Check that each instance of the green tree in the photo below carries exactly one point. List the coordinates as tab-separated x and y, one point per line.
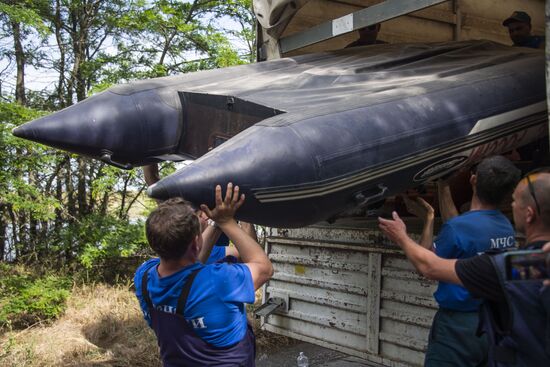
27	173
19	20
59	207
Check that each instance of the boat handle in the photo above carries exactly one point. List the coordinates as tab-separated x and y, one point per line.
106	157
364	200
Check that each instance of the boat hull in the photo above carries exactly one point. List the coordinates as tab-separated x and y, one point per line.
309	137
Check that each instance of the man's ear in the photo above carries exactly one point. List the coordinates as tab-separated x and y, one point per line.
195	245
473	180
529	214
198	242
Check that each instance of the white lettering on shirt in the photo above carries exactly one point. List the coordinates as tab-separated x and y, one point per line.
197	323
166	308
502	242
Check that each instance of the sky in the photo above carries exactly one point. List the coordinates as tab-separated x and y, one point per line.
41	79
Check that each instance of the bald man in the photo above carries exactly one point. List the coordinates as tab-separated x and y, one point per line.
514	315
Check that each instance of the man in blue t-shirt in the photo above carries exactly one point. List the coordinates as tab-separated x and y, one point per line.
198	311
453	340
515	314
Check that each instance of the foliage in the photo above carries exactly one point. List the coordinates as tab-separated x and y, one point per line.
25	183
25	12
26	299
17	156
62	209
107	237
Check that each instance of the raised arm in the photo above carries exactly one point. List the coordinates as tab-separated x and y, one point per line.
251	253
425	261
447	206
420	208
209	237
250	230
151	174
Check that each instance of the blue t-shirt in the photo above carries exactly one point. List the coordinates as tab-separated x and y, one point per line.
223	240
216	303
465	236
533	42
217	253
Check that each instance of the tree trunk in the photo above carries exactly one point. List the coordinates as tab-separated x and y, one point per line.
20	62
34	242
62	95
13	229
3	231
71	202
58	222
81	189
79	38
124	193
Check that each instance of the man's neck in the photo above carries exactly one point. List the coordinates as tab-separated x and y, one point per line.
477	204
535	234
169	267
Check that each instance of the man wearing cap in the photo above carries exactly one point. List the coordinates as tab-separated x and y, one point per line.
519	28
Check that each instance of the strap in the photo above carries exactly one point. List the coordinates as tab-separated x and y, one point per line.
144	292
182	301
545	298
504	355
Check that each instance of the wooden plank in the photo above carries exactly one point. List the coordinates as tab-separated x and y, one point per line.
373	302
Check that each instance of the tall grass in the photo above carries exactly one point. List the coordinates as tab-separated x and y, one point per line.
102	326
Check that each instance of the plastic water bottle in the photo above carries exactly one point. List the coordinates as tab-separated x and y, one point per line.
302	360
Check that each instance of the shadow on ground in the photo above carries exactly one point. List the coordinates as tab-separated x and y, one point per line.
117	343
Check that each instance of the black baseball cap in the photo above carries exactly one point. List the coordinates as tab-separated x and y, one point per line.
517	16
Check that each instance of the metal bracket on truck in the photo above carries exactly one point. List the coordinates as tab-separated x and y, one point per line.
272	305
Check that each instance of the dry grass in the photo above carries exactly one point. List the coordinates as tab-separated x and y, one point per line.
102	326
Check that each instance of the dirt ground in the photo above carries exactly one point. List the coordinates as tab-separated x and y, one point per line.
279	351
317	356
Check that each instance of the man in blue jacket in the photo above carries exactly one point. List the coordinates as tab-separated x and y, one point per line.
198	311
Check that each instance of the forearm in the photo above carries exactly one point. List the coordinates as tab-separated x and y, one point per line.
447	206
428	263
151	173
426	239
209	238
250	230
248	248
250	251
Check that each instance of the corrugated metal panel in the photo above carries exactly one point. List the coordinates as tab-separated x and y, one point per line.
351	290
